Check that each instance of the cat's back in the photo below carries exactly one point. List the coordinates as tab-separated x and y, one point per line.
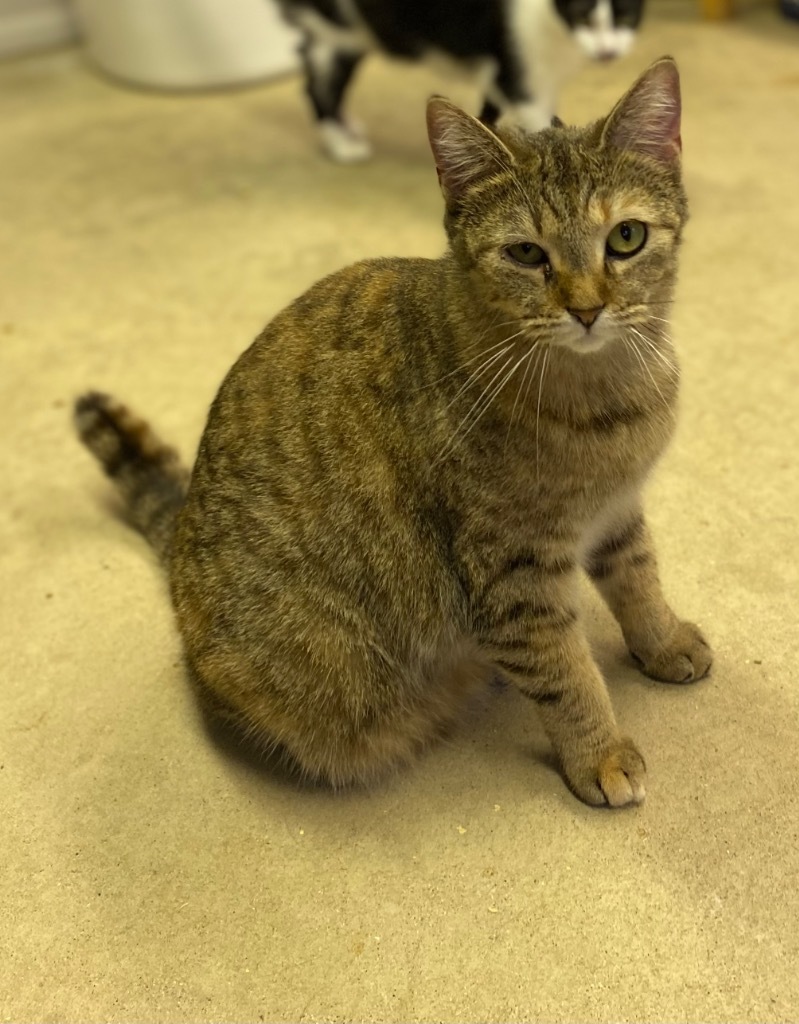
348	338
314	422
412	28
309	479
356	309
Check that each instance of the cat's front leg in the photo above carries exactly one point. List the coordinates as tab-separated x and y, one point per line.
530	627
624	568
328	72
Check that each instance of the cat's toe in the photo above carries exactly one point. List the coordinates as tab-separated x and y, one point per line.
686	658
621	775
616	779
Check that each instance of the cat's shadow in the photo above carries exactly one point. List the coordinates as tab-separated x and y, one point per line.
240	748
489	728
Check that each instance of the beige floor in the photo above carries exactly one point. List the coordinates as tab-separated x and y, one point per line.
148	874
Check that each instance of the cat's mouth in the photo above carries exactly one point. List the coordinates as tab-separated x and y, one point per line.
570	333
585	341
584	333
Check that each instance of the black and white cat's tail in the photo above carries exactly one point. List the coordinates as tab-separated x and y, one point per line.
148	474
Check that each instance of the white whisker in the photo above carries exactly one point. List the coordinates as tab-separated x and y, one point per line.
494	394
634	346
529	358
486	398
538	412
486	390
481	370
465	363
652	347
476	374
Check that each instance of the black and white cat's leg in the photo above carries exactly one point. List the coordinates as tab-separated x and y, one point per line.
512	95
623	565
328	72
490	113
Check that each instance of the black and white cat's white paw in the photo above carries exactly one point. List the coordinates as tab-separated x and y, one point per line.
532	116
343	142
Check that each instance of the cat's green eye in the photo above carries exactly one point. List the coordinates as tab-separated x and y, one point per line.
626	239
528	254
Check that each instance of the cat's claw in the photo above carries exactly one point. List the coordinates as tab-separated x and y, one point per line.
685	659
616	780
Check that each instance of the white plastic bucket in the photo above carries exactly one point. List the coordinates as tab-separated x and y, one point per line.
187	44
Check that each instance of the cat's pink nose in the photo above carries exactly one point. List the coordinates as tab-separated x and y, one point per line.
587	317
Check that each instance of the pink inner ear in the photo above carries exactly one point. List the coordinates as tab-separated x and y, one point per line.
456	155
647	120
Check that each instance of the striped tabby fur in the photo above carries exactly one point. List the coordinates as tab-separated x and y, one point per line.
401	479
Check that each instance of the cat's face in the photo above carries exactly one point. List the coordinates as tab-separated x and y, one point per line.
572	234
580	246
603	29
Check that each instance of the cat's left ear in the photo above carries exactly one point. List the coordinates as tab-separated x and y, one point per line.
465	150
647	119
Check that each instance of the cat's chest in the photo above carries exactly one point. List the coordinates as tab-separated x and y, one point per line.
570	471
604	450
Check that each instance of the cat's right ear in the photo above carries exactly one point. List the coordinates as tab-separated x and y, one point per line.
465	150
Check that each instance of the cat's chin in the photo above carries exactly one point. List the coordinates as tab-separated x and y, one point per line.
586	344
588	347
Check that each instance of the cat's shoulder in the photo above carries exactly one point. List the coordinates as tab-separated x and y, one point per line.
367	298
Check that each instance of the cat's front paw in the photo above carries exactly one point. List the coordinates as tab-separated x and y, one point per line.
686	657
615	778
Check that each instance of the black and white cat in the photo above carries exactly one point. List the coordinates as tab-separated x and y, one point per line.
518	51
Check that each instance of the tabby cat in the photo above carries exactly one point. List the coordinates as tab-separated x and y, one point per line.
518	52
401	478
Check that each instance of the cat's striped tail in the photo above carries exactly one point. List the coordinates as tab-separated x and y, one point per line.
147	473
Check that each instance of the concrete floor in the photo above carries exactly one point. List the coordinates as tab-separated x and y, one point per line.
150	874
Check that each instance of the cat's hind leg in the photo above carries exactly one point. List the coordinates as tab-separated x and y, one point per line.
343	748
337	715
328	72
